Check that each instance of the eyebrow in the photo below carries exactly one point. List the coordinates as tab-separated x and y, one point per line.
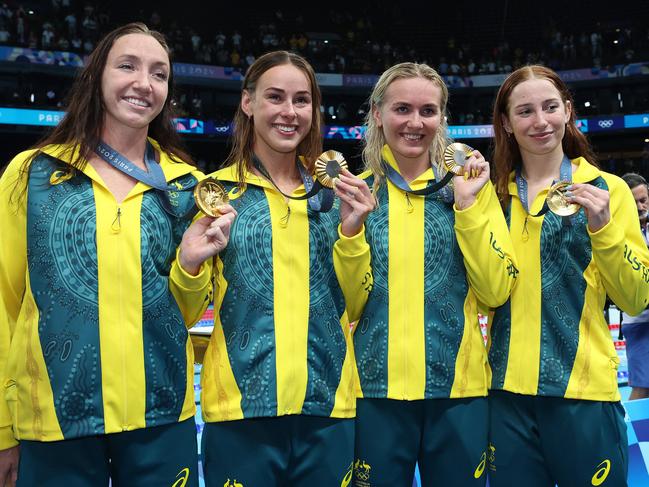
274	88
549	100
134	57
432	105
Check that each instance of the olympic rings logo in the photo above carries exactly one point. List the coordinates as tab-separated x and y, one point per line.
605	124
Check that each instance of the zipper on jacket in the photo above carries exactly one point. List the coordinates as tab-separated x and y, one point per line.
116	226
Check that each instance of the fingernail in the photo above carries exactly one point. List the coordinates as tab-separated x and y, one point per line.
569	187
568	194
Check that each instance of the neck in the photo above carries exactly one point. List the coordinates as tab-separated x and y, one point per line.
538	168
131	143
411	169
280	166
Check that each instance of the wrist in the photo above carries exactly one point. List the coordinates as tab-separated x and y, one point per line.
350	230
189	267
464	202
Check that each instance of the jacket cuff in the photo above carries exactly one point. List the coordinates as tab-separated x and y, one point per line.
7	439
354	245
186	281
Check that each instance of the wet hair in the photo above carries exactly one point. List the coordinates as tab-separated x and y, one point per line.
375	139
81	127
507	154
241	153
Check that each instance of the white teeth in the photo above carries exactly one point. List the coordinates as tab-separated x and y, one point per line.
286	128
413	136
137	101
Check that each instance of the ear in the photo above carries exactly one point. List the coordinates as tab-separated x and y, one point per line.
506	125
568	110
246	102
376	113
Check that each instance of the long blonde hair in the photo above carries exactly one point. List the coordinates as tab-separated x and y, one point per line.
375	139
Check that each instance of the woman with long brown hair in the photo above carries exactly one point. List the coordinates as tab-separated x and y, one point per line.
278	394
96	361
555	413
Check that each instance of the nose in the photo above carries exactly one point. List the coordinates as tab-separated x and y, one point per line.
142	81
539	119
288	109
415	120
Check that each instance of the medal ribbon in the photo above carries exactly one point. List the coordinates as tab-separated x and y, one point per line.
153	176
565	174
319	198
395	178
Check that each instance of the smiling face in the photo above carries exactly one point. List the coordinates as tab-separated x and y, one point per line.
135	82
281	109
537	117
409	116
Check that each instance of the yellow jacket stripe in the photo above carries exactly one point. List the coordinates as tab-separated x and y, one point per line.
92	326
419	335
282	335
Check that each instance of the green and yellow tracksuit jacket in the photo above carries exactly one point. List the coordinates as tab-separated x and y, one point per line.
281	342
419	336
551	338
93	336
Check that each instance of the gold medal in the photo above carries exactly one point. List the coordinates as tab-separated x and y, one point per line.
328	167
455	156
210	196
557	201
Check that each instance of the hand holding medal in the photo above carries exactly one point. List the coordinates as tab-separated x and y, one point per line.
558	200
209	235
471	172
328	167
356	199
566	199
210	197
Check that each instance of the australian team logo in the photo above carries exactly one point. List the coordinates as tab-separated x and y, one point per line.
362	473
232	483
491	457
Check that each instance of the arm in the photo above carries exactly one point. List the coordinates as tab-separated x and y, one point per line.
483	237
192	293
190	279
13	268
353	270
619	250
351	251
482	234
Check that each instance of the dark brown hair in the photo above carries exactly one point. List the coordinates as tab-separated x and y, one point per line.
81	127
507	155
243	139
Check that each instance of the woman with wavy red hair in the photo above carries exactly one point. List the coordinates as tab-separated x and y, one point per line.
555	412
